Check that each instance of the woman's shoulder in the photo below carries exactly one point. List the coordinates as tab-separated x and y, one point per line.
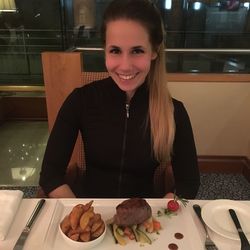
96	85
178	105
90	90
180	112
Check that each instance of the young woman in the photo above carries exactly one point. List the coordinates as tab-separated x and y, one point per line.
129	123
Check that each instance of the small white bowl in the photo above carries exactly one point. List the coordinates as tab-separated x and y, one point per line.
83	245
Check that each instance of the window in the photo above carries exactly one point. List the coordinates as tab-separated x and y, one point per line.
201	36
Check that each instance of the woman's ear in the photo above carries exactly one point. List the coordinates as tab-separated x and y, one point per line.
155	52
154	55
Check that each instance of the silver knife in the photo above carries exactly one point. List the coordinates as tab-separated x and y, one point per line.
245	245
25	233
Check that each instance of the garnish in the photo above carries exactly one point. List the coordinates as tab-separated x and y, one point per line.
173	206
140	233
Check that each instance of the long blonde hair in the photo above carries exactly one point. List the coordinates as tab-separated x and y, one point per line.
161	111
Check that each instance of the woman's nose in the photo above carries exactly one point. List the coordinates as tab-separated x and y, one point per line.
125	62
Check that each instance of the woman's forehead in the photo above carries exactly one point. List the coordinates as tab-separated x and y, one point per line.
126	30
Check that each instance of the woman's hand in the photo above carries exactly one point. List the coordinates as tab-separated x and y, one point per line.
63	191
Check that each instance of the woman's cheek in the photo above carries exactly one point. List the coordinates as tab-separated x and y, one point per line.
110	63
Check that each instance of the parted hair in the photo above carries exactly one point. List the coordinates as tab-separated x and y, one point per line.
161	111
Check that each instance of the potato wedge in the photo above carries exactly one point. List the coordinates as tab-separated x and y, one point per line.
88	205
65	224
72	232
98	232
78	230
74	237
75	215
85	236
84	220
87	229
96	218
96	225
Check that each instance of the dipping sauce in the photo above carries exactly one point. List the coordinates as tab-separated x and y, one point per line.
178	236
172	246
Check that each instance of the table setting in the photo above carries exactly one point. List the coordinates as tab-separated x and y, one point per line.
215	215
181	229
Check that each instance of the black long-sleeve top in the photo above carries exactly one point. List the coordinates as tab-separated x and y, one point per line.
117	144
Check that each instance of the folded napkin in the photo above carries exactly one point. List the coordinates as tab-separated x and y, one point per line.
9	204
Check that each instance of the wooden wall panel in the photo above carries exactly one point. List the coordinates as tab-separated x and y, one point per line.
207	77
62	74
23	108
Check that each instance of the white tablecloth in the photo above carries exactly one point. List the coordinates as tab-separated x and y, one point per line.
37	235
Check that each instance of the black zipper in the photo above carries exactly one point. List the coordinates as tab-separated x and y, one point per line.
127	106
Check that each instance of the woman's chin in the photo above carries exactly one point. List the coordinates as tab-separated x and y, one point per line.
127	88
128	85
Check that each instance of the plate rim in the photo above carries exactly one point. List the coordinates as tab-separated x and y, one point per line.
233	204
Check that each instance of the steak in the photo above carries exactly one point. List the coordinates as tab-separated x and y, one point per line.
132	212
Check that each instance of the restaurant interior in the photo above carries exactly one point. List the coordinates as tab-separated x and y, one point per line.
207	65
50	47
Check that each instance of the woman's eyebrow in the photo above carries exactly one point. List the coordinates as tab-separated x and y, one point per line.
134	47
114	47
138	47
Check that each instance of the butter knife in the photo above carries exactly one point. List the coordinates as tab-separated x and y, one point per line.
25	233
244	241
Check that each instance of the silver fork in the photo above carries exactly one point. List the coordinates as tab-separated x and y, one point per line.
209	244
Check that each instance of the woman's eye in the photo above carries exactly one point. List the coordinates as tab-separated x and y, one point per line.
114	51
137	51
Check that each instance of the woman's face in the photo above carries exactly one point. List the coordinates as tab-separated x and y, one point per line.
128	54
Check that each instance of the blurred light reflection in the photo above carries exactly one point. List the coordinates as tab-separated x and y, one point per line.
22	173
168	4
197	5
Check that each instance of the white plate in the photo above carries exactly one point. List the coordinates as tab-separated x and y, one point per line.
217	218
182	223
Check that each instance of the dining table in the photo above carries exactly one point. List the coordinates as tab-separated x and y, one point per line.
44	231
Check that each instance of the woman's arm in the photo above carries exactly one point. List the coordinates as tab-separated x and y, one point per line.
59	148
184	158
63	191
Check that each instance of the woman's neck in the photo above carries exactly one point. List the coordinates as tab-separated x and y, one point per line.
129	95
